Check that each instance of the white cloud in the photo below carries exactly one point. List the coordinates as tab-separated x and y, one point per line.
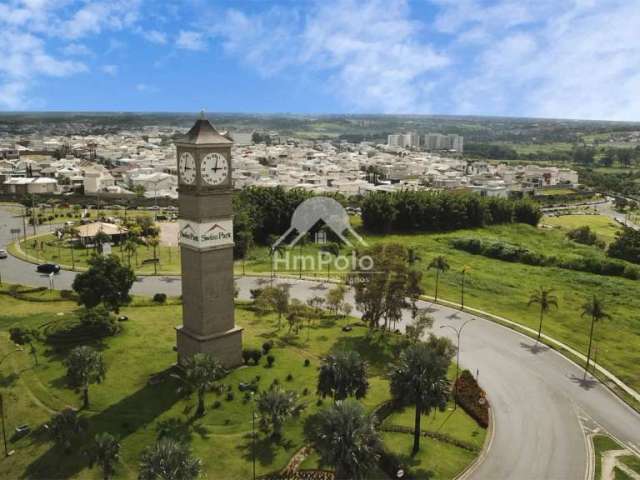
26	28
372	51
191	40
570	60
146	88
111	70
76	49
155	36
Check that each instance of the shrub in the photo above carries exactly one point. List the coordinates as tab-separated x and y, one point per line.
160	298
216	404
21	336
305	392
631	272
66	294
289	377
251	354
98	320
472	398
267	346
230	396
270	360
307	362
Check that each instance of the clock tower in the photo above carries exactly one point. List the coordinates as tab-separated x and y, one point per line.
206	246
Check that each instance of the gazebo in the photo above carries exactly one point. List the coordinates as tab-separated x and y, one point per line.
87	233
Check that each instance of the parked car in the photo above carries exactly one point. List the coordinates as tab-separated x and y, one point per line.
48	268
3	254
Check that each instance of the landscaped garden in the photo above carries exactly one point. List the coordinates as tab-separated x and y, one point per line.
139	400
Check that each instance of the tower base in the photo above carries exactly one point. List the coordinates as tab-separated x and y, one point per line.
225	346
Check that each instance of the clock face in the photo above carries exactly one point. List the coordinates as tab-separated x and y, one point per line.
187	167
214	169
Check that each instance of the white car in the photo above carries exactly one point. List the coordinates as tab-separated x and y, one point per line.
3	254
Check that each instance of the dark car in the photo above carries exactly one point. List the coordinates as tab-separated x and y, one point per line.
48	268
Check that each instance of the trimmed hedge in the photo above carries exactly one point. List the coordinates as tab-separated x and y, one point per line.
472	398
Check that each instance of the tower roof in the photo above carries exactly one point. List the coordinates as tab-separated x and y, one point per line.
203	133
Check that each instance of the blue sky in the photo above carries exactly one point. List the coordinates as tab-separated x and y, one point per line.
543	58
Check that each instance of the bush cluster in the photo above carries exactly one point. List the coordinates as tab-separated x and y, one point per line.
251	354
585	236
472	398
425	211
160	298
518	254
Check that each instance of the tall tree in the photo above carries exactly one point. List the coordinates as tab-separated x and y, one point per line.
545	299
169	460
346	438
106	281
200	373
440	265
105	453
343	375
420	379
65	427
594	308
335	297
275	406
85	366
154	241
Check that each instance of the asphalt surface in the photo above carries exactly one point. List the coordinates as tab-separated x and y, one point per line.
541	406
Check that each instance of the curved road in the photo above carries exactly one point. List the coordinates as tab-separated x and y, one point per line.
541	406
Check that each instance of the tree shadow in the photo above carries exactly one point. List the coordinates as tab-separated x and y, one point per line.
265	449
374	349
535	348
121	419
585	383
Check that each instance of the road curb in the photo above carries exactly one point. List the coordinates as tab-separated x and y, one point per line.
486	447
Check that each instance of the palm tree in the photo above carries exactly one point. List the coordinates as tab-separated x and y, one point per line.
154	241
275	407
333	250
595	309
440	265
85	366
200	373
420	379
65	426
106	453
130	248
346	438
343	375
546	300
169	460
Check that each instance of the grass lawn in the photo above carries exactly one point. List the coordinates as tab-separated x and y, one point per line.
49	248
603	226
127	405
601	444
504	288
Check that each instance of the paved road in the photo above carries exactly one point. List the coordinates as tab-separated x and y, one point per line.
538	397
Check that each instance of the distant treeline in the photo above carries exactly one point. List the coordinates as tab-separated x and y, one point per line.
422	211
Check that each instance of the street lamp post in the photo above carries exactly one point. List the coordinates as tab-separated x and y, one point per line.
458	332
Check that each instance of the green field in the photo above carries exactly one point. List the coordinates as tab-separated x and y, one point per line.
503	288
603	226
47	248
127	405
